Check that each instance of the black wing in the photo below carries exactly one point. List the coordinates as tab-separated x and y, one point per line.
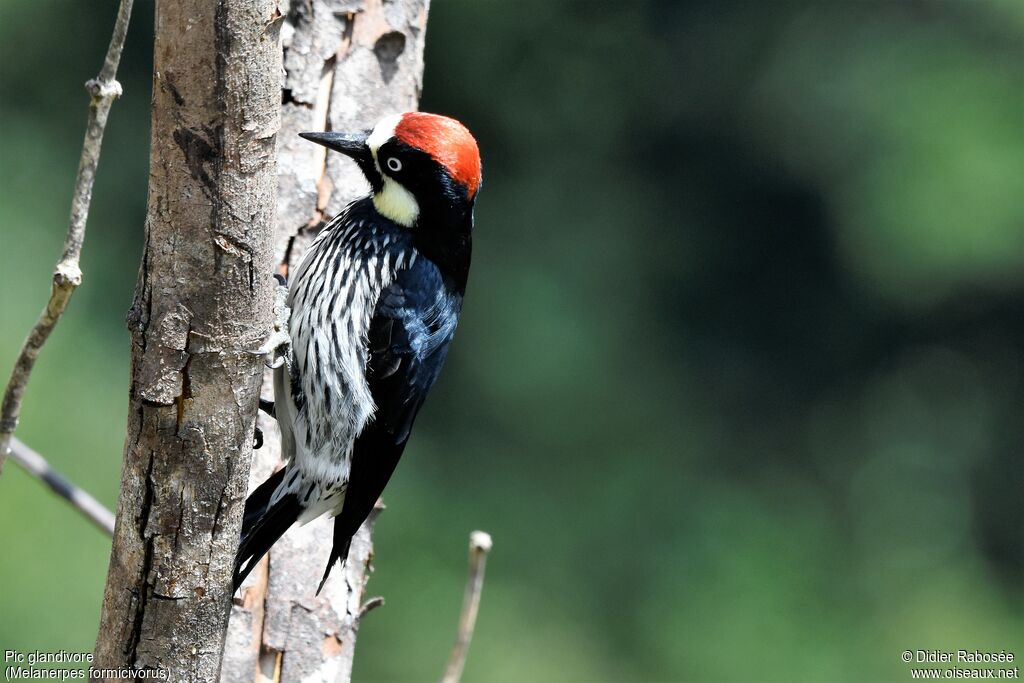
412	326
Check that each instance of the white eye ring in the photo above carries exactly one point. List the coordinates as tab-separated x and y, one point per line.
394	164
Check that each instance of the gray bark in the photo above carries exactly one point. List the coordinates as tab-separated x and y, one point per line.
347	64
203	300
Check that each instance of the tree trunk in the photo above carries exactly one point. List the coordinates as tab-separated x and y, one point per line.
348	63
203	300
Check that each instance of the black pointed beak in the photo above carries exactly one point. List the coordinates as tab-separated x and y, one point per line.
352	145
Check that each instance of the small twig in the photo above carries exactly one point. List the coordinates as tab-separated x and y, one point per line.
479	546
370	605
103	90
37	466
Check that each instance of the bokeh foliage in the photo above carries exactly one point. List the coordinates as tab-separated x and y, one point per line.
737	389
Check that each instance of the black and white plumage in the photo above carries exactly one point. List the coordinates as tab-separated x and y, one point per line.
374	305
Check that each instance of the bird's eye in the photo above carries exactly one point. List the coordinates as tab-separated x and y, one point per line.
394	164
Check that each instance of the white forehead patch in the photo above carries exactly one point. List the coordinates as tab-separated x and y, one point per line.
382	132
393	201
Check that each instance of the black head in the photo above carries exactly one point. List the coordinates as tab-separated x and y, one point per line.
423	169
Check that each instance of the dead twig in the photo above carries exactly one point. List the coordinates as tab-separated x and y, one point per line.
479	546
103	90
370	605
37	466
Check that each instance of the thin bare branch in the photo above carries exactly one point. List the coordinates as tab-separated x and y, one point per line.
370	605
103	90
37	466
479	546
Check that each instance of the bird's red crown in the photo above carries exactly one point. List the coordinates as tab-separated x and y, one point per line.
447	141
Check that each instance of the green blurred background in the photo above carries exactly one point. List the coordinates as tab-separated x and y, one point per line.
737	390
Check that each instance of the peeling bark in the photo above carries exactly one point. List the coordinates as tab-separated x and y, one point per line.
203	300
347	64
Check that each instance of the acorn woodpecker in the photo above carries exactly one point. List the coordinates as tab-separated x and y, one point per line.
374	304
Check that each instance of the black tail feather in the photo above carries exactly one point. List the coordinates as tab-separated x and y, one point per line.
257	502
263	524
339	550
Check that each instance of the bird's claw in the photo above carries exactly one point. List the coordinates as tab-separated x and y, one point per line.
278	344
278	341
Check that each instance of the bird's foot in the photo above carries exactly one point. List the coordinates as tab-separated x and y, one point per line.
278	344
